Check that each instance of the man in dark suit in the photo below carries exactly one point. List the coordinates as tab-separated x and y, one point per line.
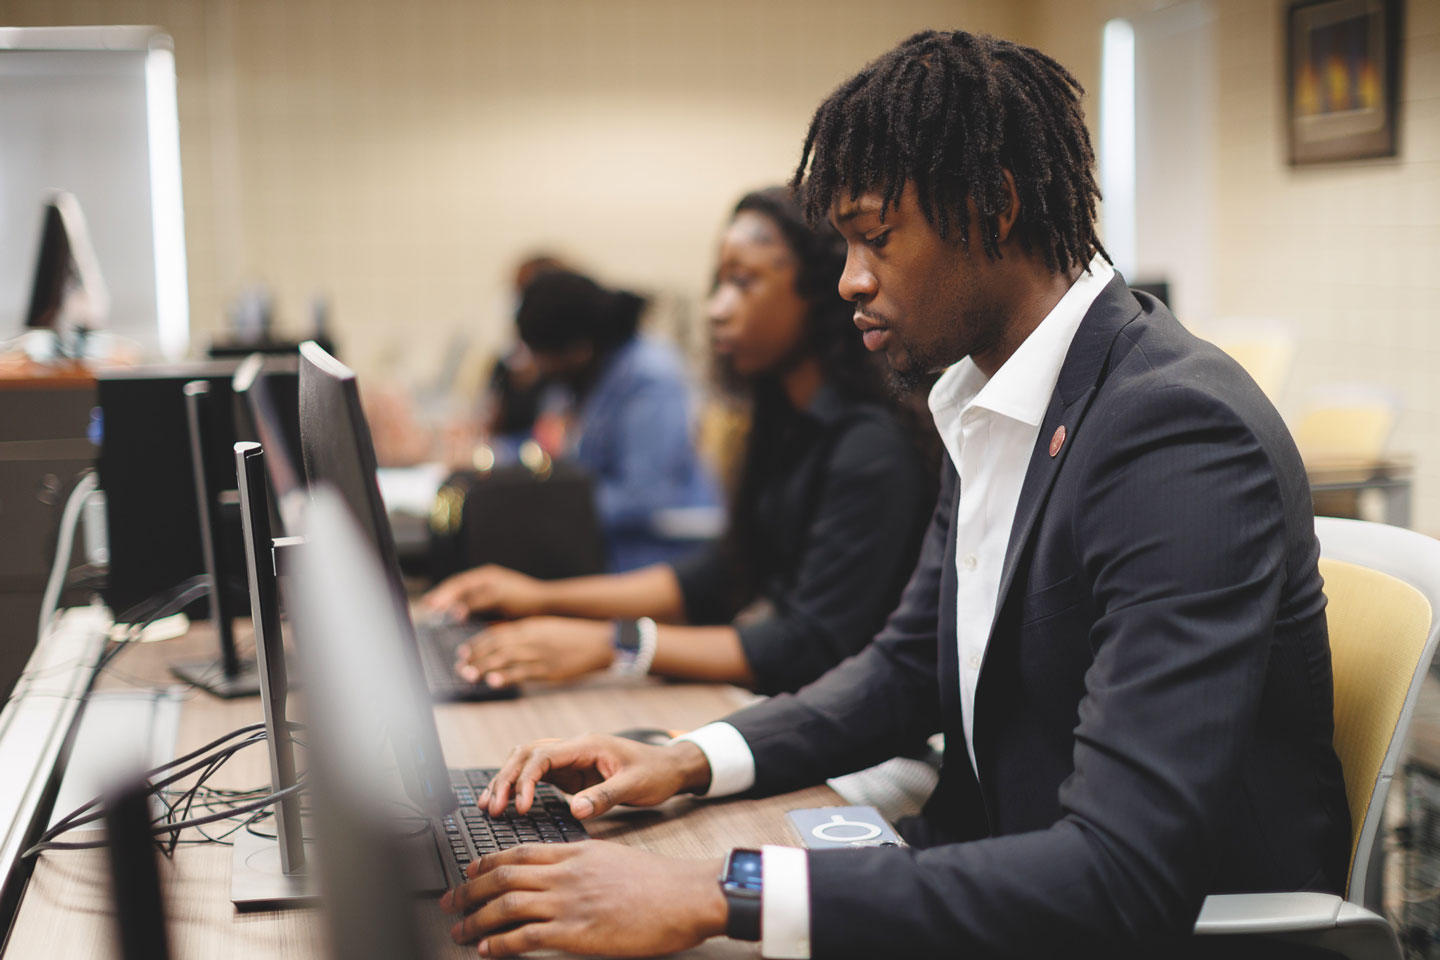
1116	620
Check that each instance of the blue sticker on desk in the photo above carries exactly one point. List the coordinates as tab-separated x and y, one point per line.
835	828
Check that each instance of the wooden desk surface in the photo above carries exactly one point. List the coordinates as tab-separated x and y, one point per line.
66	908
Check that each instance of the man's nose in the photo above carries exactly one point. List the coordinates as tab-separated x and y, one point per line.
857	283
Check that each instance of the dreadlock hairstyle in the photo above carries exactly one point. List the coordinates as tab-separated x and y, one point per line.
951	112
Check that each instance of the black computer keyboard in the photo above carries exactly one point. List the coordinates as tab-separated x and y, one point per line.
549	820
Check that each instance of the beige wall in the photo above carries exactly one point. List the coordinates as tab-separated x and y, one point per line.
1348	254
401	156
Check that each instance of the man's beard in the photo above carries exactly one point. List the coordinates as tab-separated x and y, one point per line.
918	375
902	384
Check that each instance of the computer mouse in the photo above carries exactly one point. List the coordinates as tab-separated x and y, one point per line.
651	735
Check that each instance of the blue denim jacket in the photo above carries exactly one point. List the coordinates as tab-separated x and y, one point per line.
634	435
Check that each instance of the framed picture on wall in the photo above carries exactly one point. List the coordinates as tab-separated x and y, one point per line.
1342	73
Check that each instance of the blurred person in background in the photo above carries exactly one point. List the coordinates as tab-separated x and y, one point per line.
632	411
827	515
516	388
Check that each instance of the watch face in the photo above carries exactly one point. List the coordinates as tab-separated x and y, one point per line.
745	870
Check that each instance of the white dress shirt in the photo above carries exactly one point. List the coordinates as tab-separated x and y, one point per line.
989	428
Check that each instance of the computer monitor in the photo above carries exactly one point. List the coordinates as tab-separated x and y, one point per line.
337	449
362	689
267	404
152	515
153	500
68	294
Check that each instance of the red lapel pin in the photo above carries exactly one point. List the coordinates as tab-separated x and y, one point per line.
1057	441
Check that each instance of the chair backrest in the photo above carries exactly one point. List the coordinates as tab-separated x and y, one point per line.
1266	351
1346	423
1382	583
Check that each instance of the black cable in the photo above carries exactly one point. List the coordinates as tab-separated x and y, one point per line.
64	823
160	830
247	729
73	820
137	619
233	803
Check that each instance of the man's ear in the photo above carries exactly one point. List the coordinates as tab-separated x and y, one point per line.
1006	220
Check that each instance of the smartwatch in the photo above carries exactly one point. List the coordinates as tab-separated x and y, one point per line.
741	881
634	642
627	644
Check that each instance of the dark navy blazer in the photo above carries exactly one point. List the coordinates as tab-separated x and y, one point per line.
1153	717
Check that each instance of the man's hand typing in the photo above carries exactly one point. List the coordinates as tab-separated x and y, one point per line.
592	898
600	772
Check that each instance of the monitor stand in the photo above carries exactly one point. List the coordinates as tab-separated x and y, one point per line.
269	871
210	676
259	882
277	869
228	676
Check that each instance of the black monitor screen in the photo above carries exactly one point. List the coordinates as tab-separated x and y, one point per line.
336	445
339	454
52	272
148	478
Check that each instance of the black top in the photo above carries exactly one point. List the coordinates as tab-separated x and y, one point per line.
842	503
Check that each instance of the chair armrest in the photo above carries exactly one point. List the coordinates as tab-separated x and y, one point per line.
1256	913
1314	919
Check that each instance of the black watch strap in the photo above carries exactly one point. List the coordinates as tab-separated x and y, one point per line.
742	883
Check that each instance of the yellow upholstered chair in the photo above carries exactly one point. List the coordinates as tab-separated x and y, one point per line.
1349	423
1382	583
1265	348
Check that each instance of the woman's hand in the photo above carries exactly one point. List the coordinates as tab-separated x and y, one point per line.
487	589
536	648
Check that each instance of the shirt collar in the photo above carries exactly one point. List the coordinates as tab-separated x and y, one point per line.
1021	388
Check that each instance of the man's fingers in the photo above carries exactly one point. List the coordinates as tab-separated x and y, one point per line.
532	936
593	801
493	882
539	764
541	760
506	910
545	757
498	792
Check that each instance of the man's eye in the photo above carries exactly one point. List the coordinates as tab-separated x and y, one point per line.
878	242
742	283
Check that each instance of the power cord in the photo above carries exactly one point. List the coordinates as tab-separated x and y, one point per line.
69	519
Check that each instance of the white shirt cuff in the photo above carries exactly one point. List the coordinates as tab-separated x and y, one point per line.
732	765
785	903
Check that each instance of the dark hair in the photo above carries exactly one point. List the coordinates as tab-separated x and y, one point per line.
819	253
560	309
846	366
951	112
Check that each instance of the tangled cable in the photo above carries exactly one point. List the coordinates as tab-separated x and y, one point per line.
246	806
